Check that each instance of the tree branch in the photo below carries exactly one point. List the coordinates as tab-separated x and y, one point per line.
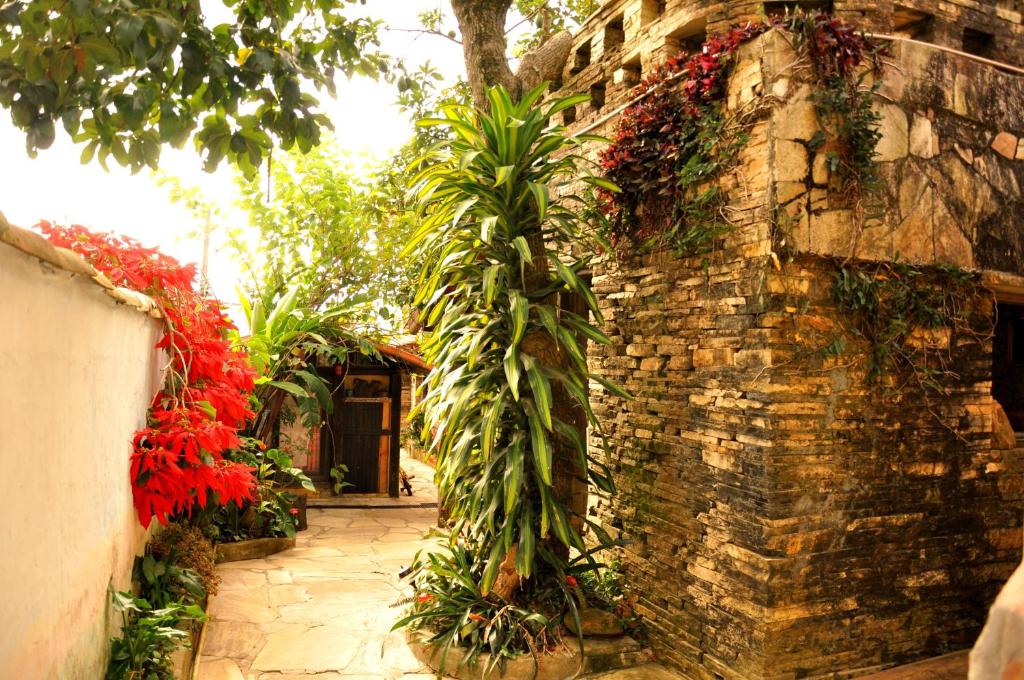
425	31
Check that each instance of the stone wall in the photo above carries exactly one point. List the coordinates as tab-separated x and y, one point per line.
625	40
786	518
951	160
79	370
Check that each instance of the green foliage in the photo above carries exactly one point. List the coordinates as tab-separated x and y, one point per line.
162	582
452	611
604	588
889	302
842	100
499	232
850	135
286	344
338	482
670	147
699	215
325	231
548	17
273	513
124	78
148	638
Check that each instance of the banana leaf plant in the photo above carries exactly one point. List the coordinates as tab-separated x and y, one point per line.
286	344
509	227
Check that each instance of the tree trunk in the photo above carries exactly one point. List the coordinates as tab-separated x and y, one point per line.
482	24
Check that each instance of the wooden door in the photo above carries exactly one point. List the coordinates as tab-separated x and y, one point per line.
364	443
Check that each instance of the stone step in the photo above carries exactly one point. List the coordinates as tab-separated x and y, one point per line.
948	667
648	671
605	654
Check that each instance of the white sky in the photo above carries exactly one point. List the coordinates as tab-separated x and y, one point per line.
56	187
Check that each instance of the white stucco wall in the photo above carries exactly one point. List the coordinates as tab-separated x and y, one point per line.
77	372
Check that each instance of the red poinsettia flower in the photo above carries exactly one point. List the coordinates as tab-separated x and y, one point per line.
178	459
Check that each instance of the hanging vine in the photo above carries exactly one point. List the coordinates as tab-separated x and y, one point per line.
669	145
672	144
907	315
842	99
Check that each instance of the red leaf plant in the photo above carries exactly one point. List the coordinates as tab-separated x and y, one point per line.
650	144
178	459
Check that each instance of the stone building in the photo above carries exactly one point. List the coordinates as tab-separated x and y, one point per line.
788	516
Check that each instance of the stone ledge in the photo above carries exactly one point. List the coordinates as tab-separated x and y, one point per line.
38	247
252	549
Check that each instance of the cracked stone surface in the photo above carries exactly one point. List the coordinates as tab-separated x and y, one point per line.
323	609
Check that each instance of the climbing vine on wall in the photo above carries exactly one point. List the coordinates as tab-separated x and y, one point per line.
674	141
907	315
668	145
178	458
842	99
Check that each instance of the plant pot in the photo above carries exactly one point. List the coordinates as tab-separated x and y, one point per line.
252	549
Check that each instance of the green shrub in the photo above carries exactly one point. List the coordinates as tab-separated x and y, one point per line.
149	638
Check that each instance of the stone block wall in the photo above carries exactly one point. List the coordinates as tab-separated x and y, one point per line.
786	518
951	159
624	40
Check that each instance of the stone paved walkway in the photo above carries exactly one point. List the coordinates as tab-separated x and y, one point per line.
324	608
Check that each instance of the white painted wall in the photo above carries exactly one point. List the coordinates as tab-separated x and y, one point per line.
77	373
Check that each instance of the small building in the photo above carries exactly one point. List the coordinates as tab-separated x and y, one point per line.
372	397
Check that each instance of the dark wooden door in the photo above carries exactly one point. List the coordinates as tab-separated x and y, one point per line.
363	437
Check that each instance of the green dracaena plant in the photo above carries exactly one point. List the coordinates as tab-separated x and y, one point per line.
507	206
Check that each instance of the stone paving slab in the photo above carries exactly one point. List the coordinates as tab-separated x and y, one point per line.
323	609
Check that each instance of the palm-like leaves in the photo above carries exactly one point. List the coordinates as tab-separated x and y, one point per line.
284	346
497	243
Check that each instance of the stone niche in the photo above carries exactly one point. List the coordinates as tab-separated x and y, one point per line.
786	518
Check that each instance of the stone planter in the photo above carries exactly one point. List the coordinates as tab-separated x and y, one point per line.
561	664
252	549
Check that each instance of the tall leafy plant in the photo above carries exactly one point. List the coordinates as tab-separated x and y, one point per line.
502	226
285	344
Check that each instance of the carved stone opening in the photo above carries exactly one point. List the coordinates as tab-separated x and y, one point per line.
688	38
651	10
632	72
979	42
614	35
913	24
582	59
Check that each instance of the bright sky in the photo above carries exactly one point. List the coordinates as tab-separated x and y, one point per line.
56	187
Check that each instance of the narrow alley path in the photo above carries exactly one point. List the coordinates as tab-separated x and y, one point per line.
324	608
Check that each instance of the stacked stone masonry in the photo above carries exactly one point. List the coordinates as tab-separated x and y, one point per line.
786	518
